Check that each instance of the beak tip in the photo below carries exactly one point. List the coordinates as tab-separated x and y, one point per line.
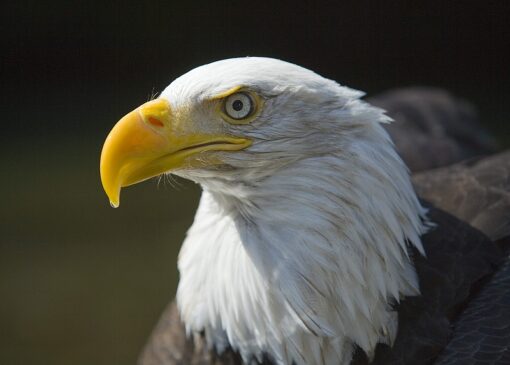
113	196
114	200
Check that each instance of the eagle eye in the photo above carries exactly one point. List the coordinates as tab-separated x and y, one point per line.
238	106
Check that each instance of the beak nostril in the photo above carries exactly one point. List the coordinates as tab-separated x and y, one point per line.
155	122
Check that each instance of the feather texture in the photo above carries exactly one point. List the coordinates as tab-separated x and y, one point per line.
459	257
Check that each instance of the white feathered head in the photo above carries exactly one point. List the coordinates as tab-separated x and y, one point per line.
300	244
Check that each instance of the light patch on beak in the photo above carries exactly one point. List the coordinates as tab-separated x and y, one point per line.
152	140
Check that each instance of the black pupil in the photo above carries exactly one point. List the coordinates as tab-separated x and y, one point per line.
237	105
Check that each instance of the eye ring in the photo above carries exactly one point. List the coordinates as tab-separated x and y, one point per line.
239	106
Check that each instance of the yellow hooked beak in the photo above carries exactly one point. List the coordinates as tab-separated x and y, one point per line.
150	141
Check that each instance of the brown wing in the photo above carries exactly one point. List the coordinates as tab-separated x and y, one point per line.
476	191
482	333
432	128
169	345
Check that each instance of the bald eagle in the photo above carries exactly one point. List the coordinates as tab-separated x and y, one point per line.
310	244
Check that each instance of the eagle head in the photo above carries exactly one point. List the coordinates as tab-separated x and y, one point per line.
240	119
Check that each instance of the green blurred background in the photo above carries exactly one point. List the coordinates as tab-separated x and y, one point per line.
82	283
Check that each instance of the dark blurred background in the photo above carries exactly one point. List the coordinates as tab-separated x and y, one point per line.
81	283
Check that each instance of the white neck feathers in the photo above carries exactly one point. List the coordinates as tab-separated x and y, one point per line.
307	262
